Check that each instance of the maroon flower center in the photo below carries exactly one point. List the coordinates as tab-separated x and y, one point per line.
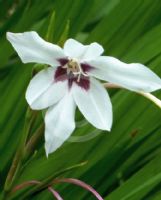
73	72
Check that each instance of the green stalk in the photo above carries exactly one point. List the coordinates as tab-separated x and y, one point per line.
32	143
17	161
19	156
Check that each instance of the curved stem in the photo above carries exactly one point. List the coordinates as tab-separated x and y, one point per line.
49	181
81	184
55	193
25	184
147	95
35	182
152	98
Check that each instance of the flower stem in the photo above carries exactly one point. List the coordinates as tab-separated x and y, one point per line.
17	161
81	184
49	180
147	95
55	193
152	98
35	182
32	143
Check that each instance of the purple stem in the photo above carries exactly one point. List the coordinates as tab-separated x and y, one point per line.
81	184
25	184
34	182
55	193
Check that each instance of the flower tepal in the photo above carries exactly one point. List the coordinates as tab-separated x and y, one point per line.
71	80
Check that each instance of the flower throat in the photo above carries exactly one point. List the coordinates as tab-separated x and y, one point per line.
74	67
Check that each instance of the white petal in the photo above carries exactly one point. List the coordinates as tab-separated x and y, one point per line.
92	51
94	104
32	48
43	92
75	49
59	123
135	77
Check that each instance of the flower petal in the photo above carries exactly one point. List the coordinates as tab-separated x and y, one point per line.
94	104
43	92
92	51
59	123
32	48
75	49
135	76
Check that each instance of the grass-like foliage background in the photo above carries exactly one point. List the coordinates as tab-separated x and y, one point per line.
124	164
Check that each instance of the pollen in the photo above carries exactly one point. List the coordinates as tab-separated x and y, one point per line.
74	67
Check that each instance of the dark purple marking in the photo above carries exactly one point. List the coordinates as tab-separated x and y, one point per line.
86	68
83	82
63	61
61	75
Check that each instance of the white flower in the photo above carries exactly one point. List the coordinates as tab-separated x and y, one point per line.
70	81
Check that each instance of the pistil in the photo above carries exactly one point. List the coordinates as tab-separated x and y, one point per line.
74	67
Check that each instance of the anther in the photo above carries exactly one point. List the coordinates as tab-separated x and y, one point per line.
74	67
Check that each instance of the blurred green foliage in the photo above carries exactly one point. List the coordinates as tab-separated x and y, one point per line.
122	165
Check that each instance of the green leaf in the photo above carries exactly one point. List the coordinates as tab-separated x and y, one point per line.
123	164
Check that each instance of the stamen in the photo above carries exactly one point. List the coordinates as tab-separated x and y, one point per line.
65	66
84	74
78	79
74	67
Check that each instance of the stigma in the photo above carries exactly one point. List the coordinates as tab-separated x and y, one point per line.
74	67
